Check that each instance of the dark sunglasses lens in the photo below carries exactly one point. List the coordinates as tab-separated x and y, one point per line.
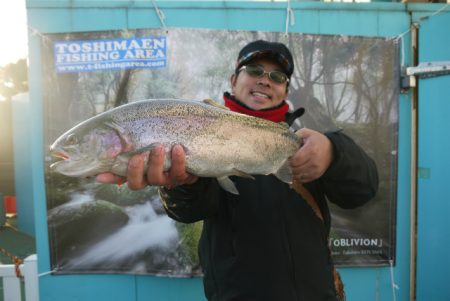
278	77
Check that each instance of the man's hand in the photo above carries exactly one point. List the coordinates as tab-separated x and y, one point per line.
155	174
312	159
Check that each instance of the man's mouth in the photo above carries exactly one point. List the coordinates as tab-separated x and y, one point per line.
259	94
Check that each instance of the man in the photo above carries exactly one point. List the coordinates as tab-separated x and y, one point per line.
266	243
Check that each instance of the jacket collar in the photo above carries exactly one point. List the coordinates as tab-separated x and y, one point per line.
275	114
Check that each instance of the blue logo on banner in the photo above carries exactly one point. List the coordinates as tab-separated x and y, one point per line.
97	55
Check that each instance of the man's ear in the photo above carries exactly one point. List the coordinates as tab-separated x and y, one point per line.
233	79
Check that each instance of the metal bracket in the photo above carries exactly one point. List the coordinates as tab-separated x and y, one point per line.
429	69
423	70
407	81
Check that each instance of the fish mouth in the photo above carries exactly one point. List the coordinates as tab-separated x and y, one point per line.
72	164
64	159
65	162
61	155
83	167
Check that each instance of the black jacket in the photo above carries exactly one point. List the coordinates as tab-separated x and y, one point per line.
267	243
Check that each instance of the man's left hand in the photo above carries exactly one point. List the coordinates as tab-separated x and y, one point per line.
313	158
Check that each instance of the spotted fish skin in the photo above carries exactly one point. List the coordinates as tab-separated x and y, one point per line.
218	143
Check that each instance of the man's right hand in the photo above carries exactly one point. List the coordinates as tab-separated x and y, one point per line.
138	178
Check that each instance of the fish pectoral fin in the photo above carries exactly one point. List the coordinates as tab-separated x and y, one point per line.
215	104
227	185
284	173
239	173
120	165
144	149
122	133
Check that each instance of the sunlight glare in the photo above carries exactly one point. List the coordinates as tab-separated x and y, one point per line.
13	31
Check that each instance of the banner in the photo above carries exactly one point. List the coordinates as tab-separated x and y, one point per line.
97	55
343	82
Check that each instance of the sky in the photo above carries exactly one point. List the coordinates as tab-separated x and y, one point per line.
13	31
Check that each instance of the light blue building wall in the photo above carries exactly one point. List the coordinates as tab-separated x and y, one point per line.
433	207
376	19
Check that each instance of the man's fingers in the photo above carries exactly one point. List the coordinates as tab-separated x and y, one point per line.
178	168
305	177
139	175
178	174
109	178
300	158
135	172
304	133
155	170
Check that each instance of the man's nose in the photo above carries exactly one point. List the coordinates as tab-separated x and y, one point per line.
264	80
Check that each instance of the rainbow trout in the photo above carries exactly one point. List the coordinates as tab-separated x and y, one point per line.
218	142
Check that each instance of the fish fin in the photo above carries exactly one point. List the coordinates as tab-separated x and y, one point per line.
127	144
120	165
237	172
148	148
141	150
121	162
284	173
227	185
215	104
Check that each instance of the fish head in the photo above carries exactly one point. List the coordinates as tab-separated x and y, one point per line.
86	150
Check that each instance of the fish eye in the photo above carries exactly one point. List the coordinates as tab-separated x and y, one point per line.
71	139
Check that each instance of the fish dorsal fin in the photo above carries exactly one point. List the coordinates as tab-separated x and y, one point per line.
215	104
284	173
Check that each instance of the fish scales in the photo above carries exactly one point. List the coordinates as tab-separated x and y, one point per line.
218	143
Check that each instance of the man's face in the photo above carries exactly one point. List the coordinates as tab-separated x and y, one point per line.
259	93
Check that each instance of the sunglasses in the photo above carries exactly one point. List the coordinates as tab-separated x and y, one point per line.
258	71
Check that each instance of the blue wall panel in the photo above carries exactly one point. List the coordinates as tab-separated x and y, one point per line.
88	288
158	288
378	19
433	262
22	160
